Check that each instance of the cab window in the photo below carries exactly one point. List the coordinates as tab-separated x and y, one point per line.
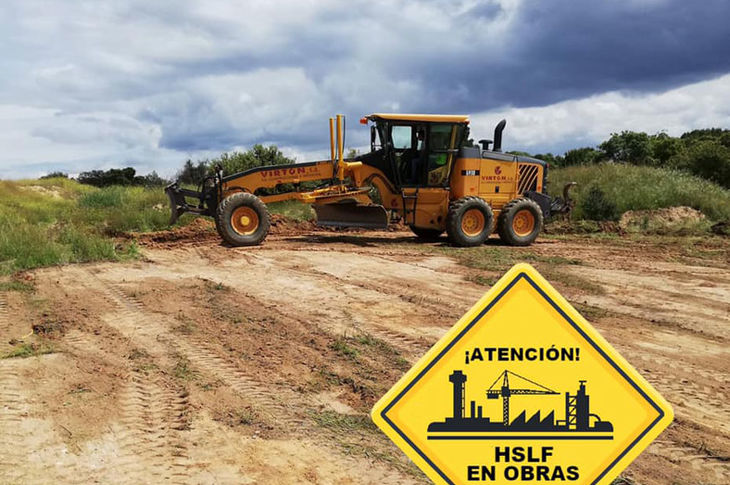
442	141
402	137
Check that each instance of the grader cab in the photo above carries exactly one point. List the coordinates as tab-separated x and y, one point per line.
420	170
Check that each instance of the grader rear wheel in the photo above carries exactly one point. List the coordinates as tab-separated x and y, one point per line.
520	222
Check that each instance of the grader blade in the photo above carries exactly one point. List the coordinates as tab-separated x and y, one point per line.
352	215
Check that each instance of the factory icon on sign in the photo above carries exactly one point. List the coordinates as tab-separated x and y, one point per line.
579	422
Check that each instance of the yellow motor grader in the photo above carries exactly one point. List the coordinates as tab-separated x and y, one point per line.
420	169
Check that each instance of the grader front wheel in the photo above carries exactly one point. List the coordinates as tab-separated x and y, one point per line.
242	219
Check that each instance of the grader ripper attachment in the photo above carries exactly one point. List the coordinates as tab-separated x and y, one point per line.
420	169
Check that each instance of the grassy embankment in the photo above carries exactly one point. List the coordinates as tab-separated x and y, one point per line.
630	187
55	221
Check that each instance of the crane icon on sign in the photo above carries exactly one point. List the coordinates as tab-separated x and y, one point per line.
579	422
505	392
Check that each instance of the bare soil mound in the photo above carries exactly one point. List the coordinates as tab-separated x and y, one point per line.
287	226
200	230
660	220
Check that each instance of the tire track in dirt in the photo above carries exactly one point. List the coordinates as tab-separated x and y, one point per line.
276	406
205	359
700	307
696	403
257	394
3	309
4	323
684	456
411	346
13	452
414	346
342	320
153	416
439	306
151	447
682	367
27	454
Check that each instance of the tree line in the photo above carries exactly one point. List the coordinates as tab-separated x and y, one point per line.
114	176
705	153
191	173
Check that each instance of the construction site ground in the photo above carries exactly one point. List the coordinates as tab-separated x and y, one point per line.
202	363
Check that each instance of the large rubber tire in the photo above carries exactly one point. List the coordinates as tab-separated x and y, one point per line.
242	219
426	234
469	222
520	222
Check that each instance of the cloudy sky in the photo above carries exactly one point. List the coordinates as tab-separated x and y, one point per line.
99	84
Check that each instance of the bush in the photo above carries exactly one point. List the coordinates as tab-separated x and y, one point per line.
631	187
710	160
629	147
257	156
596	207
120	176
193	173
581	156
55	175
105	178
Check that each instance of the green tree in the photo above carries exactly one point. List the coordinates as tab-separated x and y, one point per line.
628	147
706	134
553	160
54	175
581	156
105	178
257	156
150	180
664	148
193	173
711	160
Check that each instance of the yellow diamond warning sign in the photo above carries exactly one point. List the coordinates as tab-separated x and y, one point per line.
522	390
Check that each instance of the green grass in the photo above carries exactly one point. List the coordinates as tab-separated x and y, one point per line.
342	346
368	341
293	209
182	370
28	350
16	285
56	221
500	259
343	423
632	187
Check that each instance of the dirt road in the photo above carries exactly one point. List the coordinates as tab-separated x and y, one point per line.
208	364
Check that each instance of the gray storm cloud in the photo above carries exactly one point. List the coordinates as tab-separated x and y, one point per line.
91	85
